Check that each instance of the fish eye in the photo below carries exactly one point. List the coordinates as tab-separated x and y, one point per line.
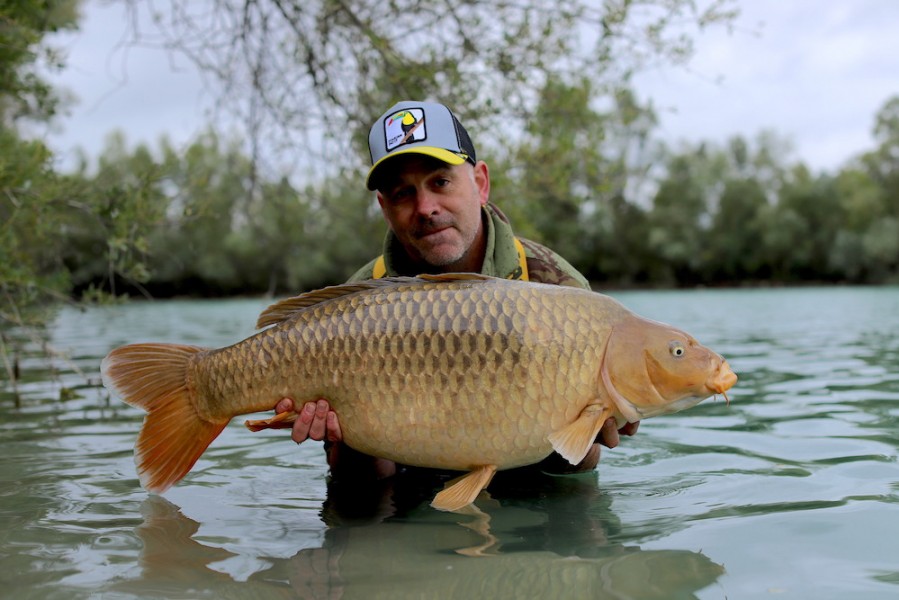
677	349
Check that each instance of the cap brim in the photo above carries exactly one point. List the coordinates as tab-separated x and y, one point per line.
446	156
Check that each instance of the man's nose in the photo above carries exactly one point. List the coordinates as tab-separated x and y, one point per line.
426	203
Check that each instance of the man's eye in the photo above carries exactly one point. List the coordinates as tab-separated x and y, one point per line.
400	195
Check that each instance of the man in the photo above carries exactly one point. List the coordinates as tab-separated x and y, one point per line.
434	195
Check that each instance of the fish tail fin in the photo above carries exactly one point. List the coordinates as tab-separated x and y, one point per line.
153	377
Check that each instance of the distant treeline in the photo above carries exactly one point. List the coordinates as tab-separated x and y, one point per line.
204	222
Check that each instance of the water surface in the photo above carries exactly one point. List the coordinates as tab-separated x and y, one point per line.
792	491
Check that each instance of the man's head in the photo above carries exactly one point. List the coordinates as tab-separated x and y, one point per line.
430	186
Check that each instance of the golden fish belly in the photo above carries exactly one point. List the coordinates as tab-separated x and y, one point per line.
439	375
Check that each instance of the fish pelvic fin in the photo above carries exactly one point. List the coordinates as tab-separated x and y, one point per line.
154	377
573	441
280	420
462	491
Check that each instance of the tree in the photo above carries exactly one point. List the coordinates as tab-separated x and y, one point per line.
799	231
677	221
883	162
561	182
565	140
880	241
205	222
29	221
29	198
109	220
732	249
321	70
746	179
24	93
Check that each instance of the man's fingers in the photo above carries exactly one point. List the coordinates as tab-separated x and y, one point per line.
629	428
284	405
333	428
319	419
303	423
316	421
609	433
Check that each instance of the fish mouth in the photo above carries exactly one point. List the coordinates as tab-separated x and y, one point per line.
723	379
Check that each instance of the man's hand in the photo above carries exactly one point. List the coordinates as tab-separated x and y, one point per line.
610	436
315	421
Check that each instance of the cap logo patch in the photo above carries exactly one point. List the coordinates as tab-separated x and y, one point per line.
404	127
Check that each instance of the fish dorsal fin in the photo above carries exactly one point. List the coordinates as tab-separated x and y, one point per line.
285	309
455	277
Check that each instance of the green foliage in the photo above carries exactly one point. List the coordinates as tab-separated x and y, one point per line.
565	183
108	233
676	227
30	198
736	233
29	224
205	222
31	201
23	25
565	139
327	69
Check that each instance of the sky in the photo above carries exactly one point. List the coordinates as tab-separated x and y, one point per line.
813	71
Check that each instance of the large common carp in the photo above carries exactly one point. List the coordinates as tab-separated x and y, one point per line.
461	372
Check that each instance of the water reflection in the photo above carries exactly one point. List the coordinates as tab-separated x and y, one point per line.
533	539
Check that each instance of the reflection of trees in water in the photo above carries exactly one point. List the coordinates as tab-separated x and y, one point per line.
534	538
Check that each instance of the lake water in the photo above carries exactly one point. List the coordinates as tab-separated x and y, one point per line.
791	491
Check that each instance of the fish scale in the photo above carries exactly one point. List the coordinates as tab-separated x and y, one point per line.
459	372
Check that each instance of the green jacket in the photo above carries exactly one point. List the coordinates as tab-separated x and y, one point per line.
507	256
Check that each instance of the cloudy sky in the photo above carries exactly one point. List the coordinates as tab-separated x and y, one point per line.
815	71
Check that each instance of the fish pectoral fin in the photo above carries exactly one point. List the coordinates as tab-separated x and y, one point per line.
574	440
462	491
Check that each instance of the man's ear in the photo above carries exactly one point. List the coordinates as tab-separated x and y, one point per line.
482	181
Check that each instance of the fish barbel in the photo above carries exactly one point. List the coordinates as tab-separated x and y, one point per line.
461	372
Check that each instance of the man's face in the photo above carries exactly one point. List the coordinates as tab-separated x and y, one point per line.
434	209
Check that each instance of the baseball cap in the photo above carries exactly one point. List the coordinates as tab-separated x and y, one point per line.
412	127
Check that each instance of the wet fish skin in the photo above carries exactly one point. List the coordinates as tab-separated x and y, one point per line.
457	372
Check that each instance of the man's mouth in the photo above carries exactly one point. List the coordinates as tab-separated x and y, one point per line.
431	231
